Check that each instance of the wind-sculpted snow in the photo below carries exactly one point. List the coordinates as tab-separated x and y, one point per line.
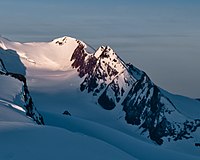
115	82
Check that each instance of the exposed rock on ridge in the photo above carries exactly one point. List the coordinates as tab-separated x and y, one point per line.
114	82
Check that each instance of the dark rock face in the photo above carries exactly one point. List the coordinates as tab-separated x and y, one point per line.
95	70
114	82
61	42
83	67
66	113
146	107
106	102
31	111
197	144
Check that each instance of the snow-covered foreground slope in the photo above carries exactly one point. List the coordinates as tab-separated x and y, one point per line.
27	141
120	140
110	101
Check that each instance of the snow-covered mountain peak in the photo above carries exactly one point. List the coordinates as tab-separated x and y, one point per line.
72	67
116	83
63	40
112	59
67	41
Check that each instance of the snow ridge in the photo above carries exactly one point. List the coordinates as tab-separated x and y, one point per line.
27	101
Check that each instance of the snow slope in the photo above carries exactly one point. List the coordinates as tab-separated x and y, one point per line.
42	55
54	80
27	141
124	142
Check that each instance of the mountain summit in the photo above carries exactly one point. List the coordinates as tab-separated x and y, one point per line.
98	88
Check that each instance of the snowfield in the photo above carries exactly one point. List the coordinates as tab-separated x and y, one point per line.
89	132
28	141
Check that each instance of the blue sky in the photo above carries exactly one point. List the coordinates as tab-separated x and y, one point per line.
159	36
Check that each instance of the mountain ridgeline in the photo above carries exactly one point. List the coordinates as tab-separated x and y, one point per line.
116	83
92	99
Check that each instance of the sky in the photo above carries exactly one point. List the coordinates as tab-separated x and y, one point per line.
160	37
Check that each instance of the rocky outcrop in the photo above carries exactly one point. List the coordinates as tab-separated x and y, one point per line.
148	108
